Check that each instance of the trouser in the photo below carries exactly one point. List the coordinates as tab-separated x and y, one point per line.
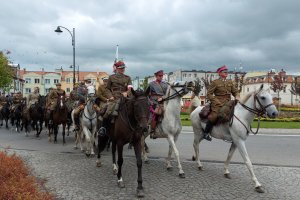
76	114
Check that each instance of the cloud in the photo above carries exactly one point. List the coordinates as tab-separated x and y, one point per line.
161	34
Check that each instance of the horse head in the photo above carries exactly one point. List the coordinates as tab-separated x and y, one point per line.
141	109
179	88
265	102
61	102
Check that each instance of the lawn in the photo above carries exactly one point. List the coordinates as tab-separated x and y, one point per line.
263	124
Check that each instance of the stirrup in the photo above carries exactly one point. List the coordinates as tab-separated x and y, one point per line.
152	135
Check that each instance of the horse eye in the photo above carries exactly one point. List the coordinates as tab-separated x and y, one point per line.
263	98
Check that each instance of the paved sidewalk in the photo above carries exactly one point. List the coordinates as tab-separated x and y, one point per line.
261	131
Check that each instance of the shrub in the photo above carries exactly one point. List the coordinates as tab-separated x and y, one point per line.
16	182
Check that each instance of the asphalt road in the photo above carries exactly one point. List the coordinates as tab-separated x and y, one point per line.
271	147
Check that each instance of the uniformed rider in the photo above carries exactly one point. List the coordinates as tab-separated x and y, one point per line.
219	92
52	100
119	85
156	90
16	100
33	97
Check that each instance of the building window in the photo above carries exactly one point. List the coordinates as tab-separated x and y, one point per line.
47	81
47	90
56	81
68	89
36	80
247	89
68	80
27	90
195	75
27	80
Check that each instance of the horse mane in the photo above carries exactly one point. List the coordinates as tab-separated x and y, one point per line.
245	98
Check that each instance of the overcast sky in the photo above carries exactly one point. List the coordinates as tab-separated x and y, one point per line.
153	34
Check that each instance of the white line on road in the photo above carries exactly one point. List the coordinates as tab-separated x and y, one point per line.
268	135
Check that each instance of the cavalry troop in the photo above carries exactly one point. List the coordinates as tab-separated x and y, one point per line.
116	113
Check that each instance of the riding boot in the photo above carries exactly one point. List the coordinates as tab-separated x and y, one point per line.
116	108
207	130
152	132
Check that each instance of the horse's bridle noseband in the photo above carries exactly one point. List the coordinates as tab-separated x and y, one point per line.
181	92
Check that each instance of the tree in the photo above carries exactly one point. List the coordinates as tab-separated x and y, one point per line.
6	73
277	85
295	87
145	83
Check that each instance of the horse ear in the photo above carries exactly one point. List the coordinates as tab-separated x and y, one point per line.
261	87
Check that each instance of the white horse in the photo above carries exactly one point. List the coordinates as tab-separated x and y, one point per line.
256	103
171	122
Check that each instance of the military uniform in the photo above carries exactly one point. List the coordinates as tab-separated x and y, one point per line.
156	90
52	98
103	94
17	100
219	93
33	98
117	84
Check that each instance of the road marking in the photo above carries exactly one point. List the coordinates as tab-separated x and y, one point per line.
262	134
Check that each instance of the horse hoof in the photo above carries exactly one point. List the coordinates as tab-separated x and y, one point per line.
88	155
147	161
259	189
75	148
169	168
182	175
193	158
98	164
140	193
227	176
201	168
115	171
121	184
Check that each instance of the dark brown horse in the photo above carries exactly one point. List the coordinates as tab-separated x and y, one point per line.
60	116
129	127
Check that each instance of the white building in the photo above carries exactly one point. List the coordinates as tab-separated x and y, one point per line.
138	82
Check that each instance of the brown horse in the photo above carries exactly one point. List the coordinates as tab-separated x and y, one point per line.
60	116
129	127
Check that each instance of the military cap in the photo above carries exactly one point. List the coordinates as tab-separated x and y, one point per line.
120	65
58	84
220	69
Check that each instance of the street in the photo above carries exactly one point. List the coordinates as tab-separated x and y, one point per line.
71	175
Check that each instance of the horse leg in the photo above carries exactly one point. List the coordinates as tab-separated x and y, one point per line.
113	151
120	163
144	153
243	151
137	150
197	139
176	152
230	154
89	145
64	133
55	129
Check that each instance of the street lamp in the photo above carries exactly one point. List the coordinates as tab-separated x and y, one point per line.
58	30
71	66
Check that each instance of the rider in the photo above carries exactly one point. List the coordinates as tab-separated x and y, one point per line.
52	100
33	97
119	85
82	92
156	90
219	92
17	100
103	94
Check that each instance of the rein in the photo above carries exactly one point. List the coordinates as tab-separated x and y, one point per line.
180	93
259	112
90	119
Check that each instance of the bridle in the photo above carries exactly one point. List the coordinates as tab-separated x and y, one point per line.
257	111
184	90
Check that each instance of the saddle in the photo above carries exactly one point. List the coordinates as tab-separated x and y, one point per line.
225	114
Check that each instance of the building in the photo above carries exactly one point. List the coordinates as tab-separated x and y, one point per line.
138	82
46	80
17	82
285	96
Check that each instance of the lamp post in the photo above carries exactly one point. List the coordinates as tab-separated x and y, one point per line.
58	30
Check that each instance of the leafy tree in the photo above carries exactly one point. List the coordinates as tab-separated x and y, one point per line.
6	73
145	83
277	86
295	87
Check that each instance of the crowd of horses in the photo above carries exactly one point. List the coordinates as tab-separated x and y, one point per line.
131	126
